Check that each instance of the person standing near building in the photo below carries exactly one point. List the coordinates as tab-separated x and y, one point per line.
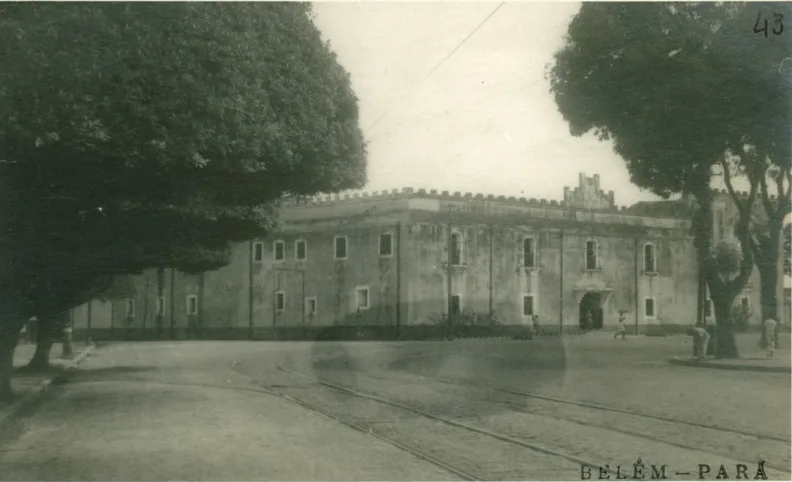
588	323
700	340
621	327
770	326
535	321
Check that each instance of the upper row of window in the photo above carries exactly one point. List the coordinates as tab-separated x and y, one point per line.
529	260
301	248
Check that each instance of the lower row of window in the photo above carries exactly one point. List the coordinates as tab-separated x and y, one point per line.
362	302
192	306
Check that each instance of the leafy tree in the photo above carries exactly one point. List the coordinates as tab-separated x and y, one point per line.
677	88
788	250
139	135
767	214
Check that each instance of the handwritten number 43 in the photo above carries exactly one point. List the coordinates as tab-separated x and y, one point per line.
778	24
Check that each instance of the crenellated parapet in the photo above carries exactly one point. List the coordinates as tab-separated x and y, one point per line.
588	195
441	195
740	194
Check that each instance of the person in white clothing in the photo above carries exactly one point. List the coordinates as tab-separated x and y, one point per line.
700	339
770	326
621	327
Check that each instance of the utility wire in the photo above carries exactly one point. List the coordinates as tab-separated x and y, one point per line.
439	64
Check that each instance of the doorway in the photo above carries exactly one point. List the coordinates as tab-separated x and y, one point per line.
591	303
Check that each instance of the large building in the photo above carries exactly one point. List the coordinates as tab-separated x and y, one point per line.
392	263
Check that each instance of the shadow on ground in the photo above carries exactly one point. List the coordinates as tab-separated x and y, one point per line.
409	373
116	373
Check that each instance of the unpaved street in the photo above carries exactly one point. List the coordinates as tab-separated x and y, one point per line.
476	409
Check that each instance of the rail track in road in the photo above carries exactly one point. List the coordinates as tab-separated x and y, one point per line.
397	429
634	433
595	406
779	444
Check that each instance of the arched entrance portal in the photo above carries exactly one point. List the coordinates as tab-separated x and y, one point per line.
591	303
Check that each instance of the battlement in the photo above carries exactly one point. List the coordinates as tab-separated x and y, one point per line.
588	195
590	183
740	194
444	195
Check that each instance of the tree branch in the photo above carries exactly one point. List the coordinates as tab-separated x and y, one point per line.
766	196
783	207
729	187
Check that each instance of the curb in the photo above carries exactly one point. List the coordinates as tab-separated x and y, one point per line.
724	366
45	386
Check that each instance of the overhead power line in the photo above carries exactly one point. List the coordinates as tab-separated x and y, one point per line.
439	64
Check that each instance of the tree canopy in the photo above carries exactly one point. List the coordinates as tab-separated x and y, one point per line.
675	85
138	135
678	88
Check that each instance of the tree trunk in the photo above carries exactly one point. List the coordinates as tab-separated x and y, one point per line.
68	347
769	271
160	296
725	345
9	335
45	336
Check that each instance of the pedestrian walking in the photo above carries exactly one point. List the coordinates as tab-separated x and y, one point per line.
588	323
700	340
770	326
621	327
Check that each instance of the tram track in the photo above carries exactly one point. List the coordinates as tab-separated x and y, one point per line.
666	423
595	406
388	430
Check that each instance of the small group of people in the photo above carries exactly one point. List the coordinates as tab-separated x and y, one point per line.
701	338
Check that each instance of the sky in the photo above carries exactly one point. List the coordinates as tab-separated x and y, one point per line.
485	120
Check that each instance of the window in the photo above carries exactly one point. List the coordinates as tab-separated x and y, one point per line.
279	250
529	252
310	306
192	304
300	249
745	304
386	244
130	308
591	255
649	258
456	304
280	301
528	305
160	305
455	247
649	307
362	298
340	247
258	251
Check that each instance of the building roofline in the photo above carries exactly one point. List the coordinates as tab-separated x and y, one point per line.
351	197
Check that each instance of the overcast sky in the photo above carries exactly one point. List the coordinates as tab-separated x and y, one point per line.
485	121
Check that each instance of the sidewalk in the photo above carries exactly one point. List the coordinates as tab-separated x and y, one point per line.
158	412
752	358
27	384
779	364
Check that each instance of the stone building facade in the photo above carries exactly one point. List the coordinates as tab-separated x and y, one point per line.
389	263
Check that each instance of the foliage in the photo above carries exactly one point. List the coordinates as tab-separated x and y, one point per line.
742	316
142	135
728	257
467	323
670	85
467	318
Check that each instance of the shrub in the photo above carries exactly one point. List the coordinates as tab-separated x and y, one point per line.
466	322
741	318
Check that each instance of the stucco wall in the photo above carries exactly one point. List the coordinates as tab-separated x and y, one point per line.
411	286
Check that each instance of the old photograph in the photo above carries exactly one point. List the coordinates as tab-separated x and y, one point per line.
395	241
